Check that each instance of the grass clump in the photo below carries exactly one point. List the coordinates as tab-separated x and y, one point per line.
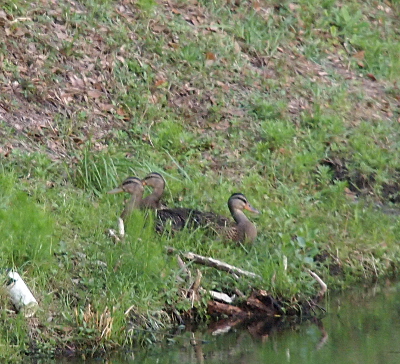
26	228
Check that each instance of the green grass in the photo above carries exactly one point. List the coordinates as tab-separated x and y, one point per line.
218	98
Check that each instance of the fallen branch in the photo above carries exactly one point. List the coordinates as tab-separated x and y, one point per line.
121	227
322	284
183	268
219	296
194	289
121	231
214	263
223	308
113	235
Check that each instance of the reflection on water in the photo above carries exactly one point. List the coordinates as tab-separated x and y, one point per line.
359	327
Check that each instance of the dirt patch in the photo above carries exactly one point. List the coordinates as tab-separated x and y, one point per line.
59	88
361	184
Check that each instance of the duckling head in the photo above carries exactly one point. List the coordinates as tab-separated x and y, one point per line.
238	201
154	180
131	185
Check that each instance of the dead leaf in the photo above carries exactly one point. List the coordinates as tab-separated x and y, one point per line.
193	20
210	56
50	184
236	47
371	76
256	5
76	81
359	55
94	93
121	112
224	86
106	107
233	111
19	32
350	195
213	28
3	18
160	82
62	36
153	99
158	28
293	7
173	45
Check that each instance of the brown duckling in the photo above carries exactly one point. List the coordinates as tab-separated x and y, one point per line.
157	182
244	230
134	187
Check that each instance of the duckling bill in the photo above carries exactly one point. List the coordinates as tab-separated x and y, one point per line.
134	187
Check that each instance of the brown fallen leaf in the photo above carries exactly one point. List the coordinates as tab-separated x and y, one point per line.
359	55
256	5
3	18
371	76
236	47
94	93
160	82
106	107
158	28
121	112
210	56
233	111
19	32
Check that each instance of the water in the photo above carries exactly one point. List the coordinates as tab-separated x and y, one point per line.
362	326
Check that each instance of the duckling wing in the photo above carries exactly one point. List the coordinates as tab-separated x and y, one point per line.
178	218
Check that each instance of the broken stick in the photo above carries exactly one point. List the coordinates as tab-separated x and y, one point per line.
214	263
322	284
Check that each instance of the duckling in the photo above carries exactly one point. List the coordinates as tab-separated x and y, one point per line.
157	182
134	187
244	231
241	231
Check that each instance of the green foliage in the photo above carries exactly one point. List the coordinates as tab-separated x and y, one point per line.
27	230
13	335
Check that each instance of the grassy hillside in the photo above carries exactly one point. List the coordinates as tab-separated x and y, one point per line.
294	104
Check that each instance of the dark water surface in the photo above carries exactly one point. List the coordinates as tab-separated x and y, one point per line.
362	326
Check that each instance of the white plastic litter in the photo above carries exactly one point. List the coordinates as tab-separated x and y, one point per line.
21	296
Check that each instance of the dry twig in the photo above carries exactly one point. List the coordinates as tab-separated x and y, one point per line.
214	263
323	285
